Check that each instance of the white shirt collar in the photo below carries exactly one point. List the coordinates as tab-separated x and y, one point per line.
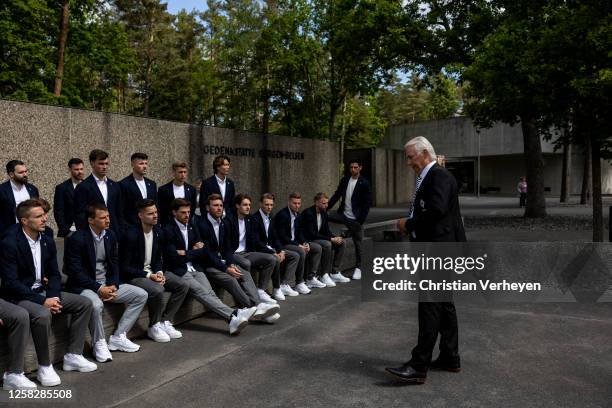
426	170
96	237
182	226
30	240
212	219
219	180
15	187
100	180
264	215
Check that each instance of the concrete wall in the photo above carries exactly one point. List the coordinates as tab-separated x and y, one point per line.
393	181
46	137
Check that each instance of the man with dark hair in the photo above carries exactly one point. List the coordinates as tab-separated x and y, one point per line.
16	320
243	245
177	188
13	191
63	199
265	241
186	256
140	256
91	263
315	227
218	183
355	195
223	271
287	227
98	188
136	187
31	279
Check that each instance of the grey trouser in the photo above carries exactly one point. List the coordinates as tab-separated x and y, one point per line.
175	285
17	322
200	289
299	268
134	299
313	260
80	311
243	290
356	231
286	269
251	260
331	256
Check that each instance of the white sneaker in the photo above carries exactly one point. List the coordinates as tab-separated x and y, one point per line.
357	274
302	289
76	362
157	333
122	343
315	283
339	277
240	320
263	295
13	381
265	310
287	291
327	281
272	319
47	376
170	330
278	294
101	351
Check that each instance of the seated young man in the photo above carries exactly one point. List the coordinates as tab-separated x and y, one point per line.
31	279
186	257
91	263
223	271
140	255
265	241
315	227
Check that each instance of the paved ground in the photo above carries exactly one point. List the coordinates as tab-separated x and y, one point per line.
330	349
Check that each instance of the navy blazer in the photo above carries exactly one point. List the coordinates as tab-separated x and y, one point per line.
80	261
87	192
436	216
218	250
165	196
173	241
8	206
282	228
308	222
132	253
234	229
18	272
210	186
63	207
130	195
261	239
361	200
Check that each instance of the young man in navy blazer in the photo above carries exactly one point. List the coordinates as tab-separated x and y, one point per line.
186	256
99	189
31	279
136	187
91	263
219	183
315	227
355	196
216	235
140	264
13	191
63	199
177	188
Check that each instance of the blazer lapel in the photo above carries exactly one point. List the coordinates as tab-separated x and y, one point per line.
26	252
10	195
94	185
141	245
91	250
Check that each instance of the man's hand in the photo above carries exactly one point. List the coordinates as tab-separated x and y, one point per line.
305	247
158	277
401	225
53	304
337	240
181	252
280	256
234	271
107	293
198	245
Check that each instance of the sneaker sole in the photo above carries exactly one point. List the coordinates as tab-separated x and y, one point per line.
240	327
68	367
125	350
160	340
49	384
9	388
270	312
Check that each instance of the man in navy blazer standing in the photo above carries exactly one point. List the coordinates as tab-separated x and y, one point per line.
13	191
31	279
136	187
355	196
63	200
98	188
177	188
219	183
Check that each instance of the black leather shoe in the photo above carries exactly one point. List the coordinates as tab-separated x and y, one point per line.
444	366
408	374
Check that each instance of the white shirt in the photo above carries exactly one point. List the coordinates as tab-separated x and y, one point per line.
348	207
103	187
319	221
20	194
36	257
142	186
216	225
266	220
98	238
241	235
222	184
293	217
179	191
148	238
185	233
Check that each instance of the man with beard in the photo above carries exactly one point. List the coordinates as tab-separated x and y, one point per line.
63	200
14	191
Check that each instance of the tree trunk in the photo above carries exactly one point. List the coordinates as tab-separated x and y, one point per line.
587	174
265	127
598	227
343	135
63	37
566	172
536	203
